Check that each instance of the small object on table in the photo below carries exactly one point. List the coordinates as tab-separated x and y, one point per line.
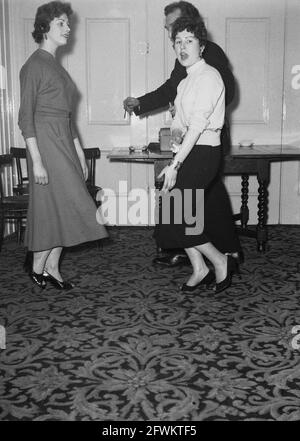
248	143
138	149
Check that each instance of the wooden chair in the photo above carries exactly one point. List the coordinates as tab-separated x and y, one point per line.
20	163
91	155
12	208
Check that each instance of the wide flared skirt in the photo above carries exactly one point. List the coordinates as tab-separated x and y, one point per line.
61	213
205	199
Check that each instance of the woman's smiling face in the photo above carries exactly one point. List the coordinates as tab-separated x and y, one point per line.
59	30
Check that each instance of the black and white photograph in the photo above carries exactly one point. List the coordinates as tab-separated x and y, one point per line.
149	214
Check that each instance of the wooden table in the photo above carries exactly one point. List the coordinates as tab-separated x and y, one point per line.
243	161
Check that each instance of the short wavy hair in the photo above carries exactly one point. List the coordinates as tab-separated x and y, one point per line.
186	8
194	25
45	14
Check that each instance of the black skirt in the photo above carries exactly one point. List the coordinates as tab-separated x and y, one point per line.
202	193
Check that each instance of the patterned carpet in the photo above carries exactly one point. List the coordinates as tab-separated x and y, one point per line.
127	345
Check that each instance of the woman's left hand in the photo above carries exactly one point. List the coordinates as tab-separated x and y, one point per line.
85	170
170	177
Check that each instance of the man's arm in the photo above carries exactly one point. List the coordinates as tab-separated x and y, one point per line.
165	94
161	97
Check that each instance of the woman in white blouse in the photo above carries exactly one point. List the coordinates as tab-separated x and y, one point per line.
199	117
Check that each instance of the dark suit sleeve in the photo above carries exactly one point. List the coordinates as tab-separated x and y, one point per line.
165	94
215	56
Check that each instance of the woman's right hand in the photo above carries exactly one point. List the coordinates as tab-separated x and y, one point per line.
40	174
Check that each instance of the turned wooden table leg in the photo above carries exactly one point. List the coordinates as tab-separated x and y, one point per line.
244	210
262	234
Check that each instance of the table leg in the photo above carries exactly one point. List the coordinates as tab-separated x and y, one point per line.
261	230
244	211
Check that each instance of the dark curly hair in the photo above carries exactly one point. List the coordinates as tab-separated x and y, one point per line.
45	14
194	25
186	8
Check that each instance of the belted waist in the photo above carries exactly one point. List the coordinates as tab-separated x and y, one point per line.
213	130
210	137
39	114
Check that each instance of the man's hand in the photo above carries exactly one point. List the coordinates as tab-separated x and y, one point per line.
130	103
172	109
174	146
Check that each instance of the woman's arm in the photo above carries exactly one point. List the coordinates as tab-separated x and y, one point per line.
81	157
162	96
171	170
79	150
30	80
39	172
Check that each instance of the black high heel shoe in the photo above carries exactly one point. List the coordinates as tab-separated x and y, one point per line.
38	279
232	267
207	280
57	283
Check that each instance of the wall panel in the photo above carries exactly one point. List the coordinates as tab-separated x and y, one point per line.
108	77
250	60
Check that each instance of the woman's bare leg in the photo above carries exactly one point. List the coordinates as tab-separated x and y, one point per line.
52	263
199	266
39	259
218	259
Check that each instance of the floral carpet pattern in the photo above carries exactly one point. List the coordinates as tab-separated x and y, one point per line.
127	345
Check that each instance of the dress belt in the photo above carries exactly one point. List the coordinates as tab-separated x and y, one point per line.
52	115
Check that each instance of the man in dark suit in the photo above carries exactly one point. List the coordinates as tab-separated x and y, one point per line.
161	99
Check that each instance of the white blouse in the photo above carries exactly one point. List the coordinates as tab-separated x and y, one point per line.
200	103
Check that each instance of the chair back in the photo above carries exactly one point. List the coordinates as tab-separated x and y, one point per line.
12	208
20	160
91	155
4	160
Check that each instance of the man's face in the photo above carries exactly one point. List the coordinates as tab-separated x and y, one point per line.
170	19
